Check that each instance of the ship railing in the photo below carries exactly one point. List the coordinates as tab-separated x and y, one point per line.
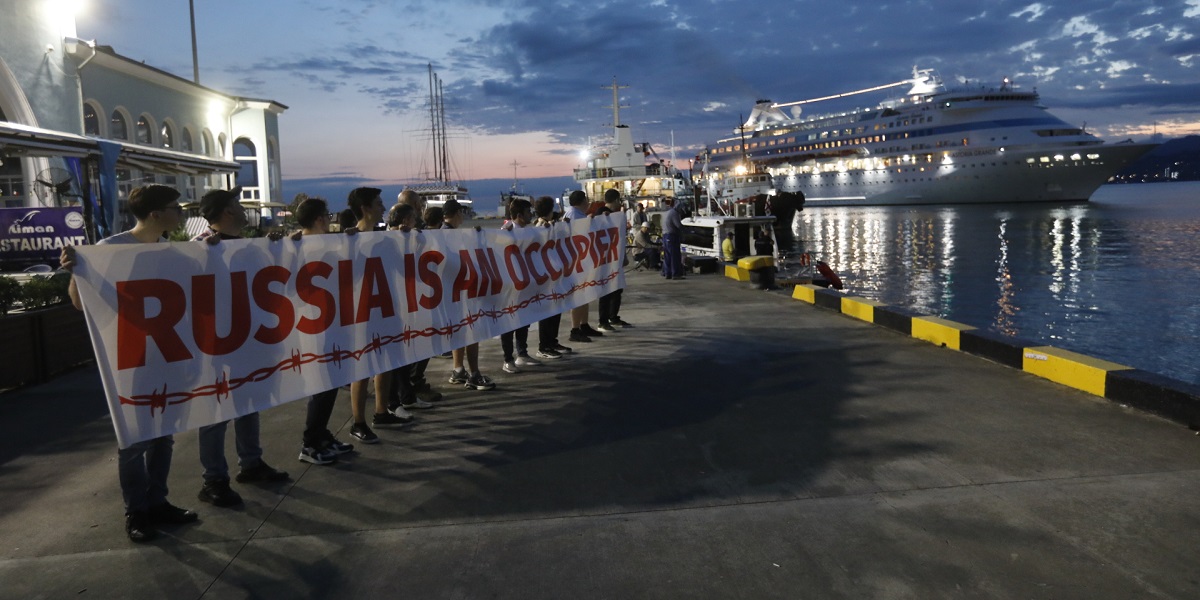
639	171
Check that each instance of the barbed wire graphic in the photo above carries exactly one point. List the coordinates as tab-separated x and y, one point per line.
158	400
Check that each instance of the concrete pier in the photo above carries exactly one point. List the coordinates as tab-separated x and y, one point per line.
734	444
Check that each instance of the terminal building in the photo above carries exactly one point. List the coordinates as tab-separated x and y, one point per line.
81	125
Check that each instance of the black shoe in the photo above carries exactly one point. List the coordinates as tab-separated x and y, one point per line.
429	395
169	514
387	418
218	493
619	321
139	527
578	336
588	331
562	349
362	433
333	444
261	472
606	328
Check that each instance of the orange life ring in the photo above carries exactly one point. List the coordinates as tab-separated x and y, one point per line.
805	259
834	281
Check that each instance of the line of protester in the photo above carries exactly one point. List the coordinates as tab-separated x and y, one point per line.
143	467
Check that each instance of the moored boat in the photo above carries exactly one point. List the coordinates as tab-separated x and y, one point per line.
441	186
931	146
618	163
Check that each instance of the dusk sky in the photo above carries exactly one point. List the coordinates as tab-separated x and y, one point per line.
524	80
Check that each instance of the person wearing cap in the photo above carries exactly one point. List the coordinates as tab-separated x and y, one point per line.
225	215
648	248
639	217
143	467
226	219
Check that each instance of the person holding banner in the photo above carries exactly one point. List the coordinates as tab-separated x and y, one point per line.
580	330
610	303
403	389
366	206
520	214
424	391
143	467
318	445
226	219
548	328
475	380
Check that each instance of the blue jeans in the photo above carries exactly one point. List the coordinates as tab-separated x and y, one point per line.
143	469
212	446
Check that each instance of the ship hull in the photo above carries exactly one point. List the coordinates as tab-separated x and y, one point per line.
982	177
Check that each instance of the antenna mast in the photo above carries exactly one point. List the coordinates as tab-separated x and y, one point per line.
616	105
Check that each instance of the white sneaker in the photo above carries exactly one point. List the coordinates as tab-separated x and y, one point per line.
524	360
510	366
416	403
401	412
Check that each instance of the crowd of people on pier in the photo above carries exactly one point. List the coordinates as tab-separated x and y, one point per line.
143	467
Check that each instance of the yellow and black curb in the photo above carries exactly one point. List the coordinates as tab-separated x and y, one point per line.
1163	396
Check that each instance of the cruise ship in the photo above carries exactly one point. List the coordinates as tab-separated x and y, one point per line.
933	145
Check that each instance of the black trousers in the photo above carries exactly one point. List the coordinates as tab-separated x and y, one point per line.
548	332
610	307
522	345
320	409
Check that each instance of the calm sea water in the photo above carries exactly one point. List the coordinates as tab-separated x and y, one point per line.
1115	278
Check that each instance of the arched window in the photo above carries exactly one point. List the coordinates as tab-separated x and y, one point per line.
244	153
221	145
143	130
206	143
167	135
185	140
91	119
117	127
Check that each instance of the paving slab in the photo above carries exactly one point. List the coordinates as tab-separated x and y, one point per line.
733	444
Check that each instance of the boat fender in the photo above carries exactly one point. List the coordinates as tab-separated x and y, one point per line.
805	259
834	281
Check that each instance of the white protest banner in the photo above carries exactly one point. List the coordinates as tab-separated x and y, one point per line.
187	334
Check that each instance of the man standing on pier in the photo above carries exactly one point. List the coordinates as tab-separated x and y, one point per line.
226	218
143	467
672	224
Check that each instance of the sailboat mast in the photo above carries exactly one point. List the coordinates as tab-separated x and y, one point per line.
433	124
442	120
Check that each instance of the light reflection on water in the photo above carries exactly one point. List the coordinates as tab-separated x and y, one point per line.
1115	278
